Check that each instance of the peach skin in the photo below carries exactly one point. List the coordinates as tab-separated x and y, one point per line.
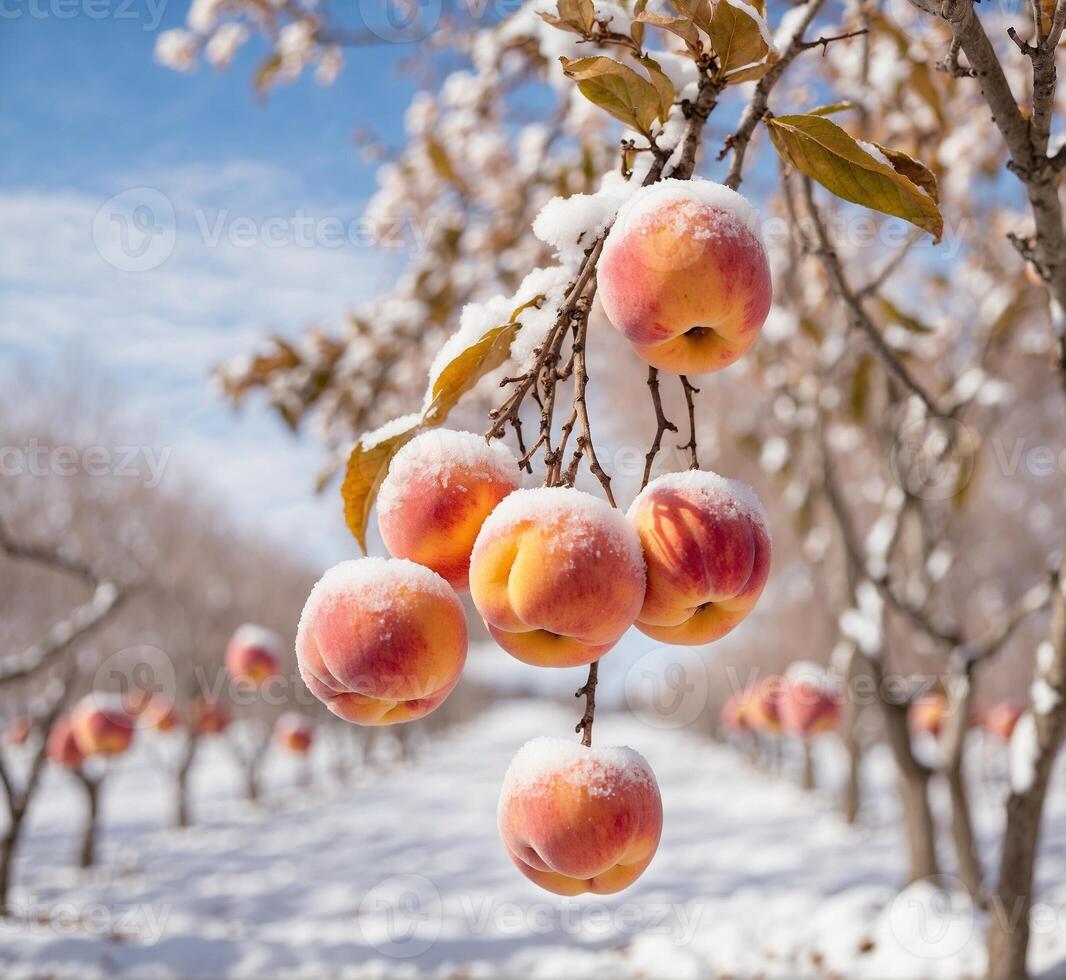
733	716
926	715
557	575
253	654
61	747
440	488
707	548
576	819
762	701
101	726
807	709
381	640
295	733
684	276
17	731
1001	718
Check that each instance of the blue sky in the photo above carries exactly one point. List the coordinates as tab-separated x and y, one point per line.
89	115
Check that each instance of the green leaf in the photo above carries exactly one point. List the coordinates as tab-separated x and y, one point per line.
894	315
366	468
267	72
738	35
819	148
663	85
617	89
860	389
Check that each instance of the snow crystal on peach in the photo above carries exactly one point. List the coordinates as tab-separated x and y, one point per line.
715	491
604	770
438	457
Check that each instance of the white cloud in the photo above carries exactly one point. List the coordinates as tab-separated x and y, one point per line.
269	261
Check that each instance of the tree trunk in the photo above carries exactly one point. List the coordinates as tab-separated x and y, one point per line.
181	787
851	795
8	846
1008	927
953	743
808	780
251	781
87	851
918	822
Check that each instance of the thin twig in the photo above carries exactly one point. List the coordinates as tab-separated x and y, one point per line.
692	446
588	692
662	425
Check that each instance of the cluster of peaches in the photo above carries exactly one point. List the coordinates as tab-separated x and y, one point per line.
557	575
803	706
104	726
927	715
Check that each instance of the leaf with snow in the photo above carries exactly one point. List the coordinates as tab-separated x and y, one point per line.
739	35
663	85
819	148
619	90
366	468
578	16
469	366
682	27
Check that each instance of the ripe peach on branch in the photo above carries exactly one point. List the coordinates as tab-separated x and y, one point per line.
253	654
576	819
557	575
101	726
684	275
707	547
439	489
381	640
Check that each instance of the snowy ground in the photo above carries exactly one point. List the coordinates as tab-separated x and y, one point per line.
401	873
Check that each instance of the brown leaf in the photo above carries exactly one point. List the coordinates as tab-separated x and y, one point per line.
663	85
366	468
739	39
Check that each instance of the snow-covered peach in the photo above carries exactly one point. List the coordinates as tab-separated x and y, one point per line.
381	640
1002	717
684	275
101	725
733	715
557	575
62	747
576	819
762	702
253	654
707	549
439	489
294	732
807	706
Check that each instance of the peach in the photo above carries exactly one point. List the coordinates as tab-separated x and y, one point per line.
440	488
253	654
926	715
17	731
576	819
101	725
160	714
684	275
381	640
707	548
1001	718
62	747
763	704
807	709
208	717
557	575
294	732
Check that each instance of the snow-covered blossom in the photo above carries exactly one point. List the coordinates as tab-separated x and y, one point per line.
176	49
